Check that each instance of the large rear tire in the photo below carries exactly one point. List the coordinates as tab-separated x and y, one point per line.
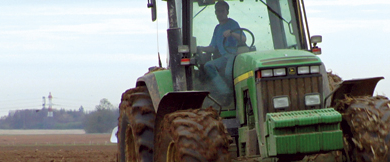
136	126
366	128
192	136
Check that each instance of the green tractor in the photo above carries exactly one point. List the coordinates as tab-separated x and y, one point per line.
268	100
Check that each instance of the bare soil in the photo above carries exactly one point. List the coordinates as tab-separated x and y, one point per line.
57	148
40	131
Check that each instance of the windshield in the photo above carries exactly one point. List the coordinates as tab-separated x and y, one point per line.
219	30
272	22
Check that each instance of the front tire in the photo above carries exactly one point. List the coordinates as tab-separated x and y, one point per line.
192	136
136	126
366	128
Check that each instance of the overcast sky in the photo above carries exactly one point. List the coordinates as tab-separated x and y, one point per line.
85	50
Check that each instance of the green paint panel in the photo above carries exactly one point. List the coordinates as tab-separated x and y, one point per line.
261	59
329	126
164	81
226	114
242	134
332	140
286	144
329	115
302	118
309	142
307	131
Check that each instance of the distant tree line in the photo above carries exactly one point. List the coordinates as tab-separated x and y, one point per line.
102	120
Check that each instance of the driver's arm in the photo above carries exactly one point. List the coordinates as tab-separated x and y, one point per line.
237	36
207	49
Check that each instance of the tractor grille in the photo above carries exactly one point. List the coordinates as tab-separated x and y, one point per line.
294	88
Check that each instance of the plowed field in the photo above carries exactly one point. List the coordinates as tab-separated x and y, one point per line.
57	148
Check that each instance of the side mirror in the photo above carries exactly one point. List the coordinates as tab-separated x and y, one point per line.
316	39
153	6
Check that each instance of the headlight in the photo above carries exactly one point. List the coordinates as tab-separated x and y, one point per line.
303	70
280	72
281	102
266	73
314	69
312	99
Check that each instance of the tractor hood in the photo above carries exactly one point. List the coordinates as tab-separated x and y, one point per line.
273	58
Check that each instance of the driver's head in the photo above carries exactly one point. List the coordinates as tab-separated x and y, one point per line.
221	10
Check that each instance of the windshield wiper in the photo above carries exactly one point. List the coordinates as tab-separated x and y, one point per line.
279	16
200	11
274	12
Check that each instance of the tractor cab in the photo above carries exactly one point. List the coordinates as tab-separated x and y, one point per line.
262	25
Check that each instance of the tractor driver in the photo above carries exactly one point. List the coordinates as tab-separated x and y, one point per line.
225	62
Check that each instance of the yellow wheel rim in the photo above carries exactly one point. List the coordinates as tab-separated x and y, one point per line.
171	152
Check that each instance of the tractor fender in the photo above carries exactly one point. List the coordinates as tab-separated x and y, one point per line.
355	87
179	100
158	83
165	100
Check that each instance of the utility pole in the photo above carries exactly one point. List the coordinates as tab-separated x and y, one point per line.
44	102
50	111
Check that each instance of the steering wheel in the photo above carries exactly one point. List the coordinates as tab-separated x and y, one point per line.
225	47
